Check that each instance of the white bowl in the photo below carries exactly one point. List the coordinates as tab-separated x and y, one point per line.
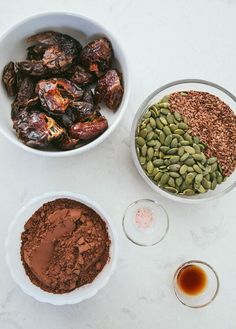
13	48
13	256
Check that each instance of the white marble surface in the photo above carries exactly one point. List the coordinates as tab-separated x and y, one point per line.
164	40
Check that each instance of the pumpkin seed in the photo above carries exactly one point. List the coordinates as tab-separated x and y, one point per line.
211	160
183	126
140	141
159	124
198	178
189	162
147	114
173	127
164	105
174	142
144	150
181	151
197	156
150	136
142	160
162	137
158	162
184	156
163	121
189	149
173	150
164	149
196	139
184	143
179	131
158	176
214	167
177	116
164	179
153	123
150	167
213	184
197	169
188	138
219	177
174	174
189	178
183	169
171	189
197	148
188	192
170	118
174	167
171	182
167	130
168	140
165	111
179	181
150	153
174	159
152	143
205	183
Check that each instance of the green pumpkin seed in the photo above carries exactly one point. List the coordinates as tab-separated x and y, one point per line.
181	151
174	142
205	183
165	99
174	150
174	159
179	181
150	136
164	179
188	138
142	160
197	148
152	143
189	149
174	174
219	177
168	140
179	131
174	167
150	153
171	182
198	178
165	111
167	130
211	160
166	162
213	184
196	139
144	150
163	121
182	126
188	192
183	169
153	123
143	133
170	118
173	127
164	149
171	189
190	169
150	167
159	124
184	157
147	115
189	178
214	166
155	171
162	137
177	116
158	176
161	155
201	165
212	176
140	141
189	162
158	162
197	157
149	127
164	105
197	169
184	143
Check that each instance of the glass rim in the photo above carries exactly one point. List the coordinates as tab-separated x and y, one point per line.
166	218
136	119
194	261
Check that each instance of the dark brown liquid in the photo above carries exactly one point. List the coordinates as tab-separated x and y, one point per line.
192	279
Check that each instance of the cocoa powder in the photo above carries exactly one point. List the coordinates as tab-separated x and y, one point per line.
65	245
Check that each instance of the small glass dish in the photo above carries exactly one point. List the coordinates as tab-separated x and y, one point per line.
209	289
157	95
145	222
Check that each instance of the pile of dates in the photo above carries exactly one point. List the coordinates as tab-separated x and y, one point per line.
57	91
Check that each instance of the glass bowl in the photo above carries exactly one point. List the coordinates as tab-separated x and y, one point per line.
145	222
157	95
208	293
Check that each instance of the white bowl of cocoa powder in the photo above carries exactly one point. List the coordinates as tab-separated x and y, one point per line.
210	111
61	248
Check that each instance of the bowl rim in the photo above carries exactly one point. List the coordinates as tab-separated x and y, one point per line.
122	108
113	237
141	109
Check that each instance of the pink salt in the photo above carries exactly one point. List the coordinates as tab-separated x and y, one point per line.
143	218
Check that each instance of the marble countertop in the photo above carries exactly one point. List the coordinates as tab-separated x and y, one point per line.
165	41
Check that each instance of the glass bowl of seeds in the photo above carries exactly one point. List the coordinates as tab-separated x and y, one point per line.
183	140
